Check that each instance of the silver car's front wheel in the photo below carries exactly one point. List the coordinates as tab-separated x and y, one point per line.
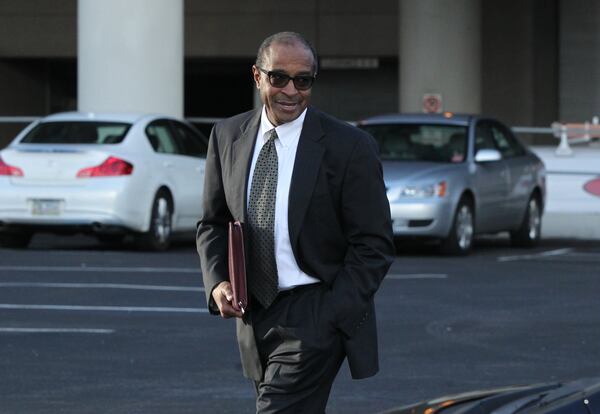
530	231
460	239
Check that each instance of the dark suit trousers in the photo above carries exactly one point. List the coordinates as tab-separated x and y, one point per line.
300	350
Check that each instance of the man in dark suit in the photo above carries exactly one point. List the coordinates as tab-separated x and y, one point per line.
310	192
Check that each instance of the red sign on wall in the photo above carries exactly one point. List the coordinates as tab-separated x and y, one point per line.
432	103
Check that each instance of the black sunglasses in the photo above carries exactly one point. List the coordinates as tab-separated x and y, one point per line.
280	80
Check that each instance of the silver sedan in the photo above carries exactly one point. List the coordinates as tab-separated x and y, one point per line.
450	177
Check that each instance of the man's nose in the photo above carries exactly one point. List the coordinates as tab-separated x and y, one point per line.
290	88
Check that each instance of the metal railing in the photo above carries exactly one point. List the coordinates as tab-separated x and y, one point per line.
531	130
18	119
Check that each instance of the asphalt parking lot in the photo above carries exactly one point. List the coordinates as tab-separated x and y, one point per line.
89	329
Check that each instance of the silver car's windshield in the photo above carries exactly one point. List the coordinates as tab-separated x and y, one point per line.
420	142
77	132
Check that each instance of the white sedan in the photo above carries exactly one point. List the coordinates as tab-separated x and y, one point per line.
107	174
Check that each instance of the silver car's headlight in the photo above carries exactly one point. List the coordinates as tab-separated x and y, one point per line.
419	191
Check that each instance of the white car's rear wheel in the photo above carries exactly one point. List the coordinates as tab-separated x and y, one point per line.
158	236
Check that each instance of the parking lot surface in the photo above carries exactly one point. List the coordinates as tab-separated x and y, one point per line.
89	329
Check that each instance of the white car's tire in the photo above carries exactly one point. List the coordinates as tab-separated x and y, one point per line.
158	236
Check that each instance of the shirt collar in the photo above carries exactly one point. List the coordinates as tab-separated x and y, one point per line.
283	131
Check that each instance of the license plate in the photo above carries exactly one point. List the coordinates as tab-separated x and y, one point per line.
46	207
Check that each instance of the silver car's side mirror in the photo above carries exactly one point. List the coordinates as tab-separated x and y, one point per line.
488	155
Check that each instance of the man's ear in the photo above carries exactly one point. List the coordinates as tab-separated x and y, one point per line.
256	76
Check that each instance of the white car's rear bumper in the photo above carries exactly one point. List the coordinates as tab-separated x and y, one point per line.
107	203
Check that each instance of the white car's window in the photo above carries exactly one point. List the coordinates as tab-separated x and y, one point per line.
160	137
77	132
191	142
420	142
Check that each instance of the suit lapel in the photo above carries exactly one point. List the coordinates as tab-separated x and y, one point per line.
306	169
242	149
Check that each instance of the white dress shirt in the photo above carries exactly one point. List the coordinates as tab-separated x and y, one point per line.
286	145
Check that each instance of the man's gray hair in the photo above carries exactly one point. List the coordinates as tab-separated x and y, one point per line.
286	38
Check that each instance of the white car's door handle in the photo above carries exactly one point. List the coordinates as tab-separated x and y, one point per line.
168	164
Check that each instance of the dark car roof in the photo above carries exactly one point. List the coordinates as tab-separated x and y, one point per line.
446	118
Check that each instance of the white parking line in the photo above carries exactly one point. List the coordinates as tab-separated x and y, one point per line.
557	252
84	268
417	276
56	330
100	286
15	306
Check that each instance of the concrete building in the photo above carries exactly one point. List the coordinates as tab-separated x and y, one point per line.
527	62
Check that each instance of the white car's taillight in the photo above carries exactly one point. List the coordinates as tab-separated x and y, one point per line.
110	168
10	170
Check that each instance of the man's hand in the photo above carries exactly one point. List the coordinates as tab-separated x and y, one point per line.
223	295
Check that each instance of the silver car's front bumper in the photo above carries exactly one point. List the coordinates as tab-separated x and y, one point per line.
431	217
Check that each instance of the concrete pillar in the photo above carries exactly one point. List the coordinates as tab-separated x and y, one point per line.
130	56
440	54
579	60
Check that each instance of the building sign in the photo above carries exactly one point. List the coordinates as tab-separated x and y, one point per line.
432	103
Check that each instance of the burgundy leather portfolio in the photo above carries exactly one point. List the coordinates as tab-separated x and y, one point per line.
237	266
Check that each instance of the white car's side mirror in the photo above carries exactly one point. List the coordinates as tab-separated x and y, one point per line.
488	155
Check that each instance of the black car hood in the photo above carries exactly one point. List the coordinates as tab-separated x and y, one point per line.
576	397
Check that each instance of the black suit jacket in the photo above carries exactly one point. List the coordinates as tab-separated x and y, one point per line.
339	223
